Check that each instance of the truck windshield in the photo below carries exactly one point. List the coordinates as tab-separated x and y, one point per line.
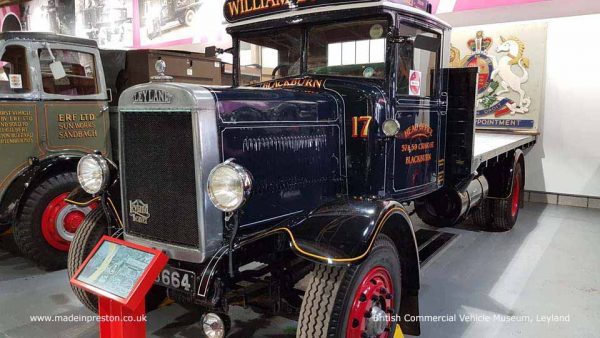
353	48
270	56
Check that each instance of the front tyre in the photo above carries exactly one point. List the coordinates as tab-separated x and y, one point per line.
88	235
354	302
46	225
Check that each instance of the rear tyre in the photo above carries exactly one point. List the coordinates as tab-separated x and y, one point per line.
354	301
482	214
506	211
47	223
89	233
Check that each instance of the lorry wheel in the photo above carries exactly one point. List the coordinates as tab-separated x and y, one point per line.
506	211
482	214
47	223
189	17
89	233
355	301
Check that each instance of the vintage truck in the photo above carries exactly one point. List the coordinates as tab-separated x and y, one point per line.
292	195
54	110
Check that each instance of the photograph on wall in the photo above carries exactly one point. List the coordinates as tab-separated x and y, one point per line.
511	61
56	16
168	21
109	22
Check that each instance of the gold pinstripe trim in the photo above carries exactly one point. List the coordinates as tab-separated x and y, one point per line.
82	204
339	260
112	205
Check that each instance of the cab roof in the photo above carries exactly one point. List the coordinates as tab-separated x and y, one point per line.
245	12
47	37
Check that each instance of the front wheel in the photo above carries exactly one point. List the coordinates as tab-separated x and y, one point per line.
355	302
46	225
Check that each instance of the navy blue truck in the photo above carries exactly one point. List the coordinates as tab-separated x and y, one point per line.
290	192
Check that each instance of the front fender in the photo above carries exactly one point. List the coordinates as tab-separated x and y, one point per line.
341	232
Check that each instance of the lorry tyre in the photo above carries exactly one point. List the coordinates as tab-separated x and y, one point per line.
189	17
482	214
355	301
89	233
46	224
506	211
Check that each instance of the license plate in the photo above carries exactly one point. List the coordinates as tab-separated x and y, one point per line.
177	279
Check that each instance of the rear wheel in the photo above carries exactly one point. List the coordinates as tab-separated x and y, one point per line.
354	302
89	233
506	211
482	214
47	223
189	17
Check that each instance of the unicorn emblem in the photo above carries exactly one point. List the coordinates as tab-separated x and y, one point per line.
510	80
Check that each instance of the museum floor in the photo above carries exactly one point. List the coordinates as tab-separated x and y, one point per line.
505	282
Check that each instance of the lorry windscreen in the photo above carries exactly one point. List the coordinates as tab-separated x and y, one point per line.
270	56
353	48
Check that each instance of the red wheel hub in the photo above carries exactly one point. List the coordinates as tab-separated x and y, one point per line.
516	195
373	306
60	220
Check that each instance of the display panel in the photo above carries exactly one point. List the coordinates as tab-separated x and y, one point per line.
115	268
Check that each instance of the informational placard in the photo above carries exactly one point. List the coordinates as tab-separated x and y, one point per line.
414	85
119	270
115	268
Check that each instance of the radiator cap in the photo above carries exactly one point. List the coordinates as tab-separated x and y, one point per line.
161	66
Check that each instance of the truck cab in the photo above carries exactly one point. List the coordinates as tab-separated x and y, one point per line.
53	111
307	170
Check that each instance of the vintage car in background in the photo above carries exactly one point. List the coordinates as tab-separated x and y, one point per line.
160	13
308	177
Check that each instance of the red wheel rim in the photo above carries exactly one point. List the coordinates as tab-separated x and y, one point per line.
372	306
60	220
516	194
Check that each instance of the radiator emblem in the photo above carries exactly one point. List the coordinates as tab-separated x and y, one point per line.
152	96
138	211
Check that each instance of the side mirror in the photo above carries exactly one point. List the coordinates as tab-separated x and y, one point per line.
109	95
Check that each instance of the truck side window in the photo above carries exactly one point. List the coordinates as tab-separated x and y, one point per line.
14	74
416	67
80	68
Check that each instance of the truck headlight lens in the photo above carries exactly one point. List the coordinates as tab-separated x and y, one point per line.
391	127
92	172
229	186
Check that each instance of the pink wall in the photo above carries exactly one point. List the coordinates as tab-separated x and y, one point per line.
465	5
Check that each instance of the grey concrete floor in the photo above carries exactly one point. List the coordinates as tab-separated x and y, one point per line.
505	282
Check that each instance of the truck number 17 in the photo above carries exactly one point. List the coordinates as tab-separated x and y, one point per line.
364	131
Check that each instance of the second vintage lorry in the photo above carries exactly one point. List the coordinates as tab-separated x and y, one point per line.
308	173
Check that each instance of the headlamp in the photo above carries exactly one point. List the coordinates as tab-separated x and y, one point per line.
229	186
93	173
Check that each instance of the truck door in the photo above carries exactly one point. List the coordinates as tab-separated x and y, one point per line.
418	109
18	120
74	101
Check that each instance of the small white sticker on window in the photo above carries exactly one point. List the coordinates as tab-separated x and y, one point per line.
190	72
414	83
15	81
376	31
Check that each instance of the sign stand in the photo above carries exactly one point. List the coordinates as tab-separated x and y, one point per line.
120	273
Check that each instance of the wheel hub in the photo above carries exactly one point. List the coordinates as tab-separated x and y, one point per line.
373	305
60	220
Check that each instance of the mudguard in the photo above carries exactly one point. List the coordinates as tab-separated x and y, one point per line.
343	232
81	198
31	177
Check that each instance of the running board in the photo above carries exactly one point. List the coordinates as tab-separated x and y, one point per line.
431	242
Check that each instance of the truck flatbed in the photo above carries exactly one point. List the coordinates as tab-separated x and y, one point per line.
491	145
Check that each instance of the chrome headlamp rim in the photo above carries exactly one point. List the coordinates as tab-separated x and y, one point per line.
104	169
245	179
396	127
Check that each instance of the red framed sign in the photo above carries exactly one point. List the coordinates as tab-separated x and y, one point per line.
120	273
